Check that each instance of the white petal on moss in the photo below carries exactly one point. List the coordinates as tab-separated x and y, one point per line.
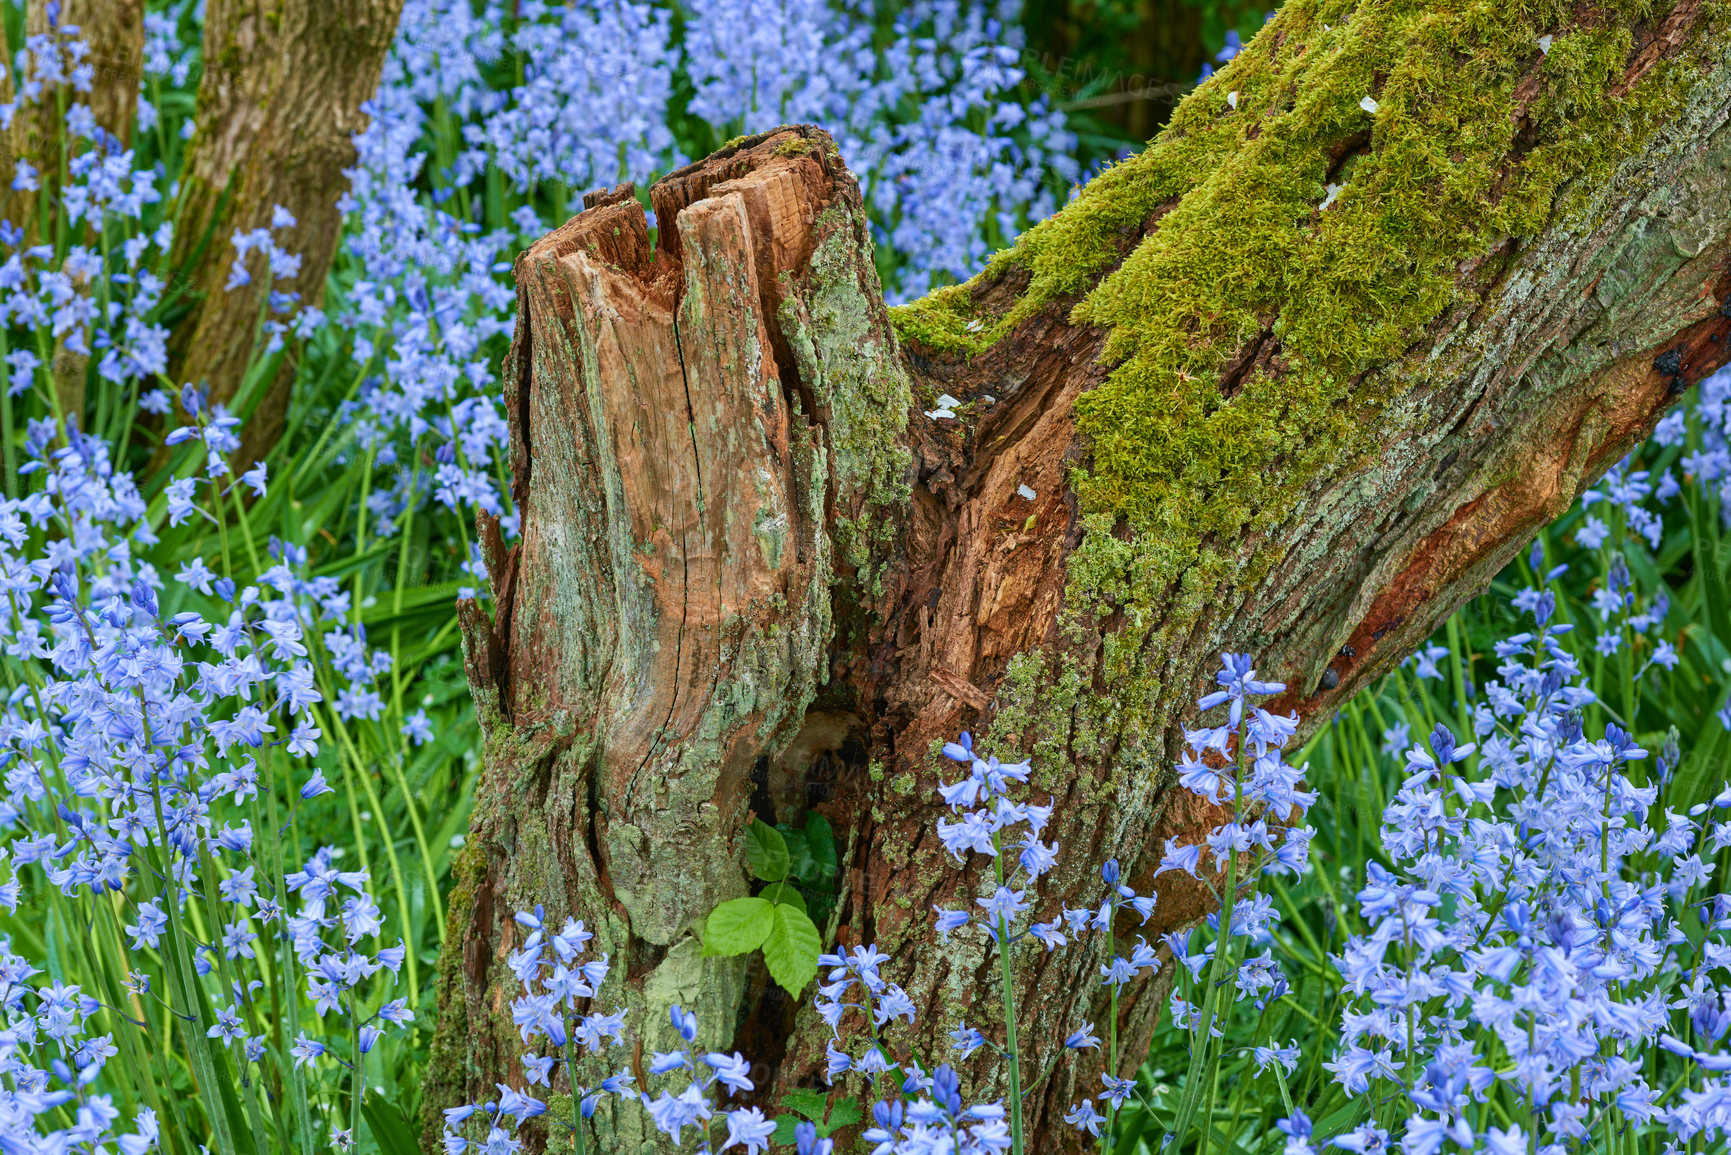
1368	105
1333	192
1232	99
946	407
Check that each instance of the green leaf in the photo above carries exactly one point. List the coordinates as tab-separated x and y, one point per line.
800	864
390	1129
820	839
1346	1118
738	926
791	949
812	1104
785	894
845	1113
1710	566
1703	772
766	851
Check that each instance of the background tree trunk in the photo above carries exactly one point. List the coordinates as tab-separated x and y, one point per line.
756	576
279	102
112	31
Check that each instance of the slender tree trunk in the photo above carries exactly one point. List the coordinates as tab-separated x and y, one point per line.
1200	409
279	103
114	30
113	33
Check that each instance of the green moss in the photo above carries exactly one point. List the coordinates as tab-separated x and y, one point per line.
1345	290
944	321
1435	177
796	146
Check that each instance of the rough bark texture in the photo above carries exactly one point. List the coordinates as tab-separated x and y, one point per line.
279	102
755	576
113	32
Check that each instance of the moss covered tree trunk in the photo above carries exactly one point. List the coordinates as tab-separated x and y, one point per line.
1390	291
279	103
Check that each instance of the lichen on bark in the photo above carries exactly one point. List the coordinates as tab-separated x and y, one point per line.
849	361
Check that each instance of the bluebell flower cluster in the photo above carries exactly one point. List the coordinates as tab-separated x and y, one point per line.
151	717
52	1059
1544	924
82	301
1709	462
556	1014
972	163
1238	763
985	820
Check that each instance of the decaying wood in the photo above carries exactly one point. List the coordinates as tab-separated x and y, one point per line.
722	603
279	102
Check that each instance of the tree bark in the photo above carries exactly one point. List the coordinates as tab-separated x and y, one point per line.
279	102
756	576
113	32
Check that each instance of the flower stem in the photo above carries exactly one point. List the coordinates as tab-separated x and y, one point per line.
1009	1010
1010	1036
1112	1066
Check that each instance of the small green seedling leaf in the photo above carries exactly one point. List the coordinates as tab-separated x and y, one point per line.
791	949
800	864
812	1104
845	1113
766	851
738	926
785	894
820	840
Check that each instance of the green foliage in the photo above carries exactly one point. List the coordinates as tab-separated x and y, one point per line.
815	1106
791	948
812	850
737	926
766	852
389	1127
776	921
